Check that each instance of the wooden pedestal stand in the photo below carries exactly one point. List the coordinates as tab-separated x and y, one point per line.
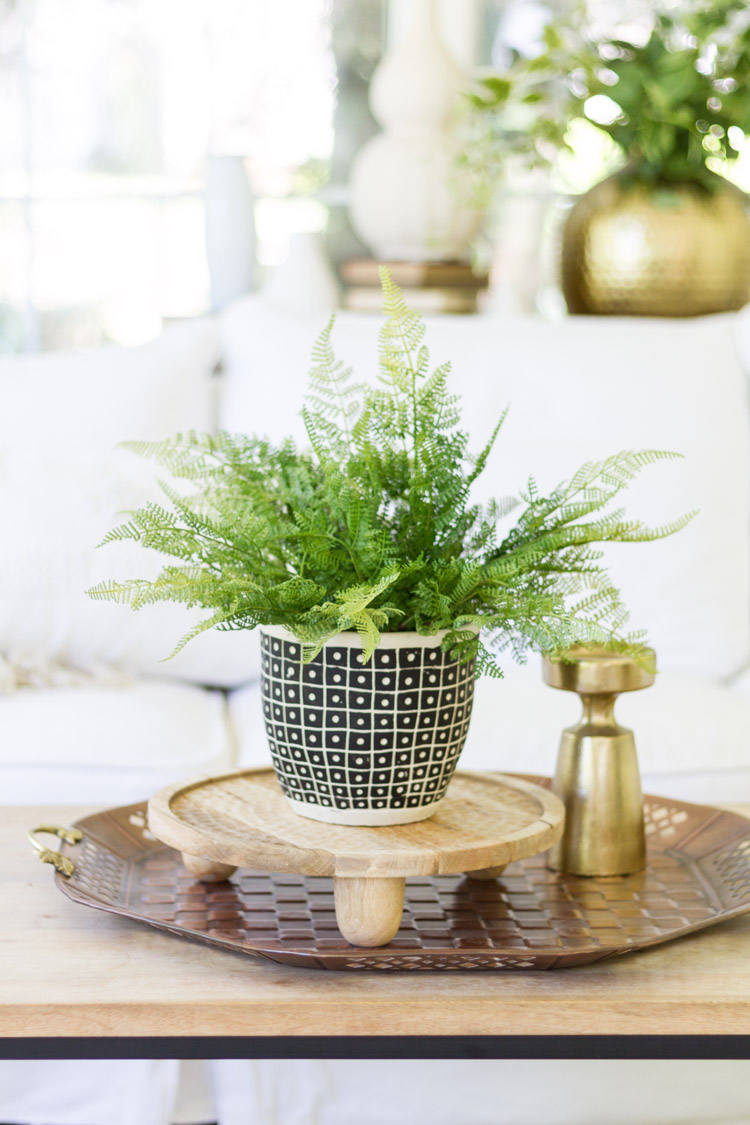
242	819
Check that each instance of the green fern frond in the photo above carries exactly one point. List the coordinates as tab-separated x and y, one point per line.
332	394
373	528
216	619
480	462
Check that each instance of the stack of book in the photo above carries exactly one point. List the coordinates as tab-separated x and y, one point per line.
439	287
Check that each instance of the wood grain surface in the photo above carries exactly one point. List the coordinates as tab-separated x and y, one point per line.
243	818
72	971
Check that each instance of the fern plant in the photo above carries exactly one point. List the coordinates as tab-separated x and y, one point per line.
373	527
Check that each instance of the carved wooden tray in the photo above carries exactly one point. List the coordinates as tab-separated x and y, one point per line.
243	820
698	873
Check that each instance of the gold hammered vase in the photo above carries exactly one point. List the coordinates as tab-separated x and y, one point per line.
631	249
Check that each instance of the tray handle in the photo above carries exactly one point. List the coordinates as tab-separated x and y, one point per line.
71	836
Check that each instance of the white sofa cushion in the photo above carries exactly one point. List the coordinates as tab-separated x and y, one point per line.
692	735
58	402
108	745
578	390
63	485
89	1091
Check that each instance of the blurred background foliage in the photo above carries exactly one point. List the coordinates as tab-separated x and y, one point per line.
669	88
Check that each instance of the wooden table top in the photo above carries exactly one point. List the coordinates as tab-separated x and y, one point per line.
68	970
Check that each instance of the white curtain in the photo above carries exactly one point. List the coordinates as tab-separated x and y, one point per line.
376	1092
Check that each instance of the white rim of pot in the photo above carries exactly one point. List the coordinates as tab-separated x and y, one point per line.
387	640
364	818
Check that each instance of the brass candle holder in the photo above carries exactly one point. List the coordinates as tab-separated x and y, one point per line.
597	776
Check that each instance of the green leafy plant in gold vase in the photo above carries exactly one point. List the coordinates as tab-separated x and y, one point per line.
667	234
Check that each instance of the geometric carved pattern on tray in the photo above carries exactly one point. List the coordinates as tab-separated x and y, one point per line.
98	872
665	820
530	917
529	909
446	963
733	867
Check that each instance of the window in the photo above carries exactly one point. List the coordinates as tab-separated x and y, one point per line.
110	110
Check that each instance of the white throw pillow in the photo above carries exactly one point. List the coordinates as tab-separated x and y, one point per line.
80	402
64	484
578	390
109	745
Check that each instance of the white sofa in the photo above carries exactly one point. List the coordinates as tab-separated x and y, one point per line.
88	712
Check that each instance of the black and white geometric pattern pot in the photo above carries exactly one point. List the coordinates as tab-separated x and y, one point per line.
365	744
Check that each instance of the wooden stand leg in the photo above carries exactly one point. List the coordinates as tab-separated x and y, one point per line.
487	872
368	911
207	870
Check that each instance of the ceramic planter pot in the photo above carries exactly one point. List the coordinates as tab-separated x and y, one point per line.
365	744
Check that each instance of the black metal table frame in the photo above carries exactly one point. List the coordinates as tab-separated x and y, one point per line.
380	1047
